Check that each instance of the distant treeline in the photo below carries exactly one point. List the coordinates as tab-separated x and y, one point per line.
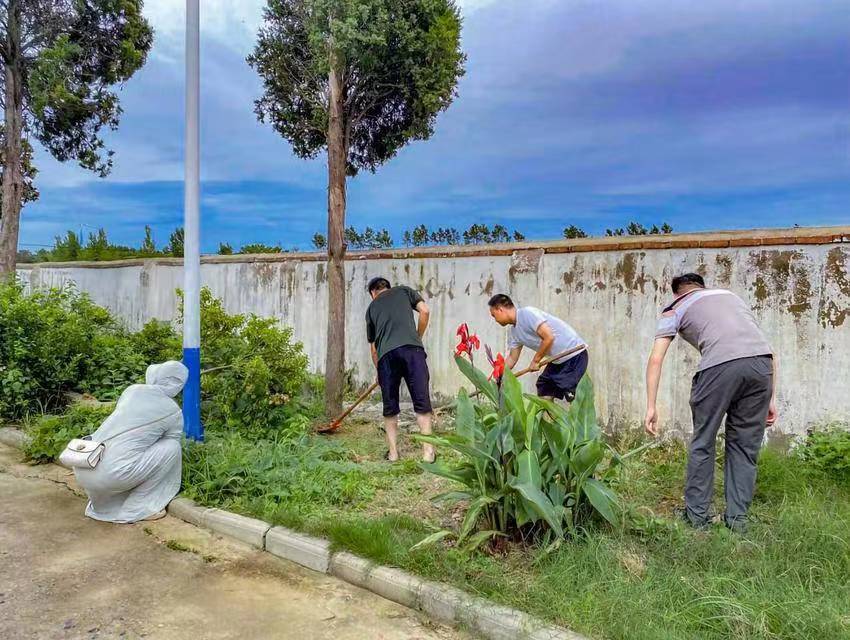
422	236
70	247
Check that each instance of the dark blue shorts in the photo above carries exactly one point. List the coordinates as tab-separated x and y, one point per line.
560	380
408	363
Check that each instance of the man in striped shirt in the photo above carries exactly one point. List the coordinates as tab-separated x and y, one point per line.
735	380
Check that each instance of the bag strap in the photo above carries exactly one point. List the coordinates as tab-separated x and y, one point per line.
146	424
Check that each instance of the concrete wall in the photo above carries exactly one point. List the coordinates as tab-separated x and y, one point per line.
610	290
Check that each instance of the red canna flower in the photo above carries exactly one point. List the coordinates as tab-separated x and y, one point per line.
468	341
498	368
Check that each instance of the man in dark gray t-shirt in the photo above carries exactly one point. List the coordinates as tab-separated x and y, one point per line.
398	354
735	380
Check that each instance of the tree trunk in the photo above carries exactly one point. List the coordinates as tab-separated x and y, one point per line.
13	183
337	161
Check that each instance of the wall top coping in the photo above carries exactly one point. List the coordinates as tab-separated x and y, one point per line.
703	240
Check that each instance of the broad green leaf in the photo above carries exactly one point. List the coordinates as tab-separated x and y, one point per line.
432	439
477	377
487	419
559	448
537	502
472	515
506	438
521	514
548	469
556	493
512	393
432	539
528	469
587	457
553	409
492	443
535	435
481	537
466	424
582	413
464	474
469	450
602	499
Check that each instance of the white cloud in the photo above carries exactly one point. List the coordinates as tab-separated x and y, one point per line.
230	21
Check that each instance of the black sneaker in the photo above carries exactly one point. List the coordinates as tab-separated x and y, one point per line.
738	525
682	514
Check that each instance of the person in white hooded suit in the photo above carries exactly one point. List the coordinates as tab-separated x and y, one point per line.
140	471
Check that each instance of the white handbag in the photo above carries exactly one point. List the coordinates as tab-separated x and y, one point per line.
82	453
87	453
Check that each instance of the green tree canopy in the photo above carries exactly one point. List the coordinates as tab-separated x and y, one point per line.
360	79
61	61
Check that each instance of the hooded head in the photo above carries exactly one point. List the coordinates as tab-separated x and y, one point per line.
169	377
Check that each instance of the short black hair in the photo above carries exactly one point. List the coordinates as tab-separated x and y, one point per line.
686	278
378	284
501	300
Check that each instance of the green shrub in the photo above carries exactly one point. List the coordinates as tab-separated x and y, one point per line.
529	466
120	358
157	342
829	451
57	340
45	346
260	372
113	365
49	434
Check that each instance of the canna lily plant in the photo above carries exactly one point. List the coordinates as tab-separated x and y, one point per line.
467	342
530	468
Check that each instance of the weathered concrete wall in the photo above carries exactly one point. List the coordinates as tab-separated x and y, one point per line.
798	282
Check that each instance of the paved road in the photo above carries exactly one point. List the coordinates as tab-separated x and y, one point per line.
65	576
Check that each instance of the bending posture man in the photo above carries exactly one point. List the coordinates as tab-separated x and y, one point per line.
547	336
734	379
398	354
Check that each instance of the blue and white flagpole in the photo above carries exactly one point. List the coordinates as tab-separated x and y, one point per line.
191	227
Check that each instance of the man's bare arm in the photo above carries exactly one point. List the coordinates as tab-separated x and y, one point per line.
773	413
513	357
424	316
374	354
547	339
653	379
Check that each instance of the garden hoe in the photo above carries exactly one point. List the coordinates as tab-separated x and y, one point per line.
543	362
333	426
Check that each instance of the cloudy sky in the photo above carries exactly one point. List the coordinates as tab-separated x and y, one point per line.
706	115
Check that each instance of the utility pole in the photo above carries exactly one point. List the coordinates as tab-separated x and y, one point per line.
191	225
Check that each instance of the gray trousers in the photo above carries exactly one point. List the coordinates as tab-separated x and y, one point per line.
739	390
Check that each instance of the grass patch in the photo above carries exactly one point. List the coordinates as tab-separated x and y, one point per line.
176	545
50	434
787	578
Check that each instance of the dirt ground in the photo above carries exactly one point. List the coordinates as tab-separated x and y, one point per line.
65	576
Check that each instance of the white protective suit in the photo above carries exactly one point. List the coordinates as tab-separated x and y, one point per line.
141	467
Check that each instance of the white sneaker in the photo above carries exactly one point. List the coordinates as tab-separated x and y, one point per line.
159	515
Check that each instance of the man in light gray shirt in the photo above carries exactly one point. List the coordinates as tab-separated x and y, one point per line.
735	380
547	336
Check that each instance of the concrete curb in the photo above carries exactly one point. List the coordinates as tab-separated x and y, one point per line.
438	601
187	510
313	553
247	530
